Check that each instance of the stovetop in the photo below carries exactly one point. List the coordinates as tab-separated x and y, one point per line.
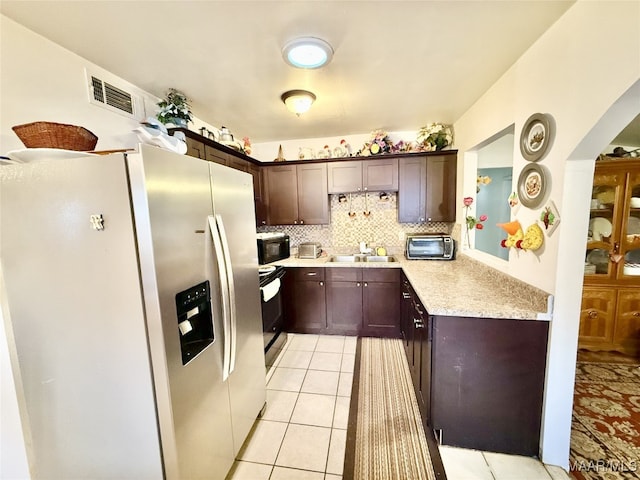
269	272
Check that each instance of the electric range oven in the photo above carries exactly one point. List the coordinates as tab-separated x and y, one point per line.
272	311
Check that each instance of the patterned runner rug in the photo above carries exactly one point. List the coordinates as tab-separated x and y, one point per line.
390	442
605	432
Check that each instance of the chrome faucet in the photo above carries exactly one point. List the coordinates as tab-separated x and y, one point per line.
364	250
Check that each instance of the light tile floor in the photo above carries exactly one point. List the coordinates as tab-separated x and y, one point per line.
302	434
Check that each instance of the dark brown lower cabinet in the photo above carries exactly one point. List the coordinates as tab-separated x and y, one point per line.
305	305
344	300
381	302
416	334
487	383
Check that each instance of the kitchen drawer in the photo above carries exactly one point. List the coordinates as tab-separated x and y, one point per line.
391	275
303	274
344	274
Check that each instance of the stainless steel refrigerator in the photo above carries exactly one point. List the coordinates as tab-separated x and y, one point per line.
132	288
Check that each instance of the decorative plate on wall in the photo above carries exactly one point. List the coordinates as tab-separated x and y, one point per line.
550	218
532	185
536	137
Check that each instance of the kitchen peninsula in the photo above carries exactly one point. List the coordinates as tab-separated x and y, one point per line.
475	339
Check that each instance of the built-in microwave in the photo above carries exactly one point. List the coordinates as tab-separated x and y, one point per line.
430	246
272	246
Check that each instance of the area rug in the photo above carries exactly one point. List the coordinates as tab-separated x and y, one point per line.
605	433
389	439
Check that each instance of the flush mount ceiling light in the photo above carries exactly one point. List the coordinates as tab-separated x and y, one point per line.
298	101
307	52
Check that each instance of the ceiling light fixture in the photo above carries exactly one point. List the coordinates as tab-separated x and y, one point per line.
298	101
307	52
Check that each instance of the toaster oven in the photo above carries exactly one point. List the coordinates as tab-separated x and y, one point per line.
430	246
309	250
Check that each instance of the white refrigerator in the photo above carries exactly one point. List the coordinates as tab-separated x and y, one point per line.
134	314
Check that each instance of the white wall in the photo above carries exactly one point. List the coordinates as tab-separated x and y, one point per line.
559	75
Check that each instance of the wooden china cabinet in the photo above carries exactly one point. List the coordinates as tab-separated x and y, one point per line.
610	313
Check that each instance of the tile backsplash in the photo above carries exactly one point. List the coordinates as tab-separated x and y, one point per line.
345	232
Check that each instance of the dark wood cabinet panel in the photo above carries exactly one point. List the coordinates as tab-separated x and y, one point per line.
351	306
258	188
389	275
214	155
305	302
297	194
237	163
363	175
282	194
441	188
344	300
313	198
412	190
378	175
195	148
344	177
381	308
427	189
487	383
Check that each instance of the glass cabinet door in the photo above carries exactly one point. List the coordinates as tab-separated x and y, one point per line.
630	244
602	244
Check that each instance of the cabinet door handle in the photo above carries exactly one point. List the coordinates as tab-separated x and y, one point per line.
418	323
295	222
593	314
422	219
405	295
322	284
358	188
429	219
311	274
365	189
301	222
365	284
636	314
357	284
264	222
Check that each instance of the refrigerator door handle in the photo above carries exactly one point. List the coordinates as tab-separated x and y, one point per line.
231	291
223	275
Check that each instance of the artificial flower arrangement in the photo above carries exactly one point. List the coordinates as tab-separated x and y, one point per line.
482	180
175	108
379	143
471	221
435	136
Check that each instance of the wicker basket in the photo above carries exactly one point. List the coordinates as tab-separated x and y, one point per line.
56	135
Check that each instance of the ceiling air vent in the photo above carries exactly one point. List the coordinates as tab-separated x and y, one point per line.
105	94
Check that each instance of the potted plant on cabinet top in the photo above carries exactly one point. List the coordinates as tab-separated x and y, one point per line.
435	136
175	109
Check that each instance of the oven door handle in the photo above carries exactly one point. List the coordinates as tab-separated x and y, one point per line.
271	289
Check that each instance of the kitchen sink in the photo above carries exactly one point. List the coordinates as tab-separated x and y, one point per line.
379	258
344	258
361	258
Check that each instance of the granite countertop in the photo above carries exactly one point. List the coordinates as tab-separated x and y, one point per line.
462	287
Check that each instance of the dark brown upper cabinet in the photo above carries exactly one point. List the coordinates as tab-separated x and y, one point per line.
427	189
297	194
363	175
